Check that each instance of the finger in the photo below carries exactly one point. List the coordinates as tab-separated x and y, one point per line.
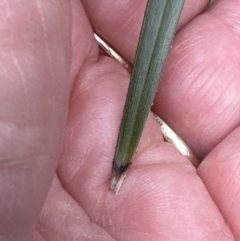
220	173
119	22
198	95
75	223
35	55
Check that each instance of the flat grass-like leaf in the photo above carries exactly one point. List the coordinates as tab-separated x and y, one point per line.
159	26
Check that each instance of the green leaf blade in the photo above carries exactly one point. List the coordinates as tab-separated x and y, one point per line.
159	26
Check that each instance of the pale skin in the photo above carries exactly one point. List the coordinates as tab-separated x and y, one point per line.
61	107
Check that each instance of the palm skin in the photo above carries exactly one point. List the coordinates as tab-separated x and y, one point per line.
62	110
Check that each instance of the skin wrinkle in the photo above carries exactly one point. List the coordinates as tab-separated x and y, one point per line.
22	75
227	14
62	223
190	74
145	234
210	107
27	96
83	232
190	49
86	77
231	114
15	39
45	35
234	201
26	136
189	46
161	235
218	232
39	237
147	147
163	150
215	102
227	106
194	85
49	57
75	169
133	15
234	178
7	13
73	172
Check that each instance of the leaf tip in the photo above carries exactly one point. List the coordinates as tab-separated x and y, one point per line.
118	176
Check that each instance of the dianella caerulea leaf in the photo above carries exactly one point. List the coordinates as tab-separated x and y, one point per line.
158	29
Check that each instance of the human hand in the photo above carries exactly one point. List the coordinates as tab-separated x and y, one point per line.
163	196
